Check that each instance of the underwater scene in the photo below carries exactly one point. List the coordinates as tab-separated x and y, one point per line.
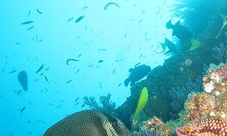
113	68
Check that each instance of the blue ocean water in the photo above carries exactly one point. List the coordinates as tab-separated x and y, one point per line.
120	36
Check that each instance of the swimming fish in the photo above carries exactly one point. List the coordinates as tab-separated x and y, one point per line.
27	22
13	71
100	61
70	19
137	73
224	18
22	109
23	79
208	126
45	76
140	105
77	99
79	19
88	123
79	55
39	11
68	81
67	61
30	27
40	68
85	7
185	35
195	44
180	31
170	45
29	12
109	4
77	71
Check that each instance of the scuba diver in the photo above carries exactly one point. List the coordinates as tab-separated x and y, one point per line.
184	35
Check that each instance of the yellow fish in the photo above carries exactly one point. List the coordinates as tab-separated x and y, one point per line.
224	17
141	104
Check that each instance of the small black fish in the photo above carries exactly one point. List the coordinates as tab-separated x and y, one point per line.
58	106
27	22
100	61
137	73
76	104
79	19
30	27
2	70
85	7
18	92
67	61
125	35
51	104
109	4
30	103
79	55
77	71
170	45
77	99
39	11
70	19
44	76
113	71
11	133
102	49
13	71
137	64
68	81
40	68
29	12
22	109
46	69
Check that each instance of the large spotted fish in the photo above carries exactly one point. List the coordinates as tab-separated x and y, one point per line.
204	127
88	123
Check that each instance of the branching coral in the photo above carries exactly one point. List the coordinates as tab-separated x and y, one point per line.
180	95
106	105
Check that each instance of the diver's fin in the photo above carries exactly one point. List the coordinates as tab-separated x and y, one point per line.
195	44
163	46
177	23
126	82
224	18
169	24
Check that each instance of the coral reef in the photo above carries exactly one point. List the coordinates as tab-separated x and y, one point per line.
179	95
211	126
216	81
107	106
155	125
207	107
176	71
220	52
